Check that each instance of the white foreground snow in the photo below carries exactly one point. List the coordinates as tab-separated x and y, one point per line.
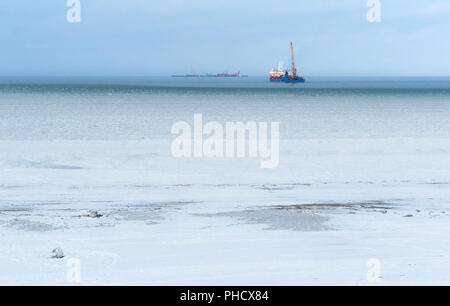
330	208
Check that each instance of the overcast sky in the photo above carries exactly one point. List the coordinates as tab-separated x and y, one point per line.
146	37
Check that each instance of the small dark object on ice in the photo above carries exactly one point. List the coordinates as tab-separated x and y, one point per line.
94	214
57	253
408	216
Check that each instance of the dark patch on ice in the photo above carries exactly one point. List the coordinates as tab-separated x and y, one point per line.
62	209
291	186
276	219
141	186
300	217
160	205
284	186
375	205
47	165
150	213
150	216
27	225
298	184
2	186
15	209
312	206
274	187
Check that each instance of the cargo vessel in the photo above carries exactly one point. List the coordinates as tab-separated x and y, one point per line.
281	74
207	75
186	75
226	75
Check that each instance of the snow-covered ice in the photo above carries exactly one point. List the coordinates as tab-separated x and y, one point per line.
360	184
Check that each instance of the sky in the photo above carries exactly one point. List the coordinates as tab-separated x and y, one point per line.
158	38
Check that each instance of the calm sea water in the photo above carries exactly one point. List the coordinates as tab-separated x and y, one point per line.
146	108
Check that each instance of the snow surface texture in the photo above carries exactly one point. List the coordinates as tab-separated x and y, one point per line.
124	211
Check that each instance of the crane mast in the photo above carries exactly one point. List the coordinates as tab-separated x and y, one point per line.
294	70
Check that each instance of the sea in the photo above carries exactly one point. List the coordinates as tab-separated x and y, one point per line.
95	108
